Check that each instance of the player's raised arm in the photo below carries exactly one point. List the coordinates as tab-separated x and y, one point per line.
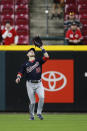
44	52
38	42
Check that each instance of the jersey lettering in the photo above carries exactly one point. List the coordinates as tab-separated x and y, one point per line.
29	69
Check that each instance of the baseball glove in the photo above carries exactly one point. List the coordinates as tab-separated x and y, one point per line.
37	41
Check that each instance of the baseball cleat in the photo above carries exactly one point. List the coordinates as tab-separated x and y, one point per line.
31	118
40	116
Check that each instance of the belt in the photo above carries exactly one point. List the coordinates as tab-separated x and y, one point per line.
34	81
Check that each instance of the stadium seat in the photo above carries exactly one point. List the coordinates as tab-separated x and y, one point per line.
5	2
21	9
23	33
18	2
84	33
0	10
82	2
82	6
83	21
7	10
84	27
7	18
85	40
23	40
82	9
70	8
21	20
83	18
70	1
22	30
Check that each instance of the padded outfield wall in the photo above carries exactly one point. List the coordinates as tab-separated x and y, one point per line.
64	79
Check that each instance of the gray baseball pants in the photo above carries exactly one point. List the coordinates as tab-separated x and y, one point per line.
32	89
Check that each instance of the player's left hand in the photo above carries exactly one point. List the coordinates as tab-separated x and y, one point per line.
17	80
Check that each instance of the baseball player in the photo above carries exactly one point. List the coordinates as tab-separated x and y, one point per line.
32	70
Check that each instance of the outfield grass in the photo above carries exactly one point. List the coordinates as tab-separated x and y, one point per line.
51	122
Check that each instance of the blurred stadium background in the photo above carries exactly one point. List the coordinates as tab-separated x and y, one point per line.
32	17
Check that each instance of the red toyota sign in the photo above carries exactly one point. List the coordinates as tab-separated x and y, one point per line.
58	81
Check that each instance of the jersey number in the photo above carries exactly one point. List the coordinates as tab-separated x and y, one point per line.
38	70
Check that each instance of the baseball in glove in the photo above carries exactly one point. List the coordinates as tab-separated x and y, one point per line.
37	41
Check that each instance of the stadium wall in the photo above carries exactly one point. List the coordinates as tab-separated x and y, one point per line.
2	81
71	62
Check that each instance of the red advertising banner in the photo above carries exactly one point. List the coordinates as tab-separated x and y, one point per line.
58	81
